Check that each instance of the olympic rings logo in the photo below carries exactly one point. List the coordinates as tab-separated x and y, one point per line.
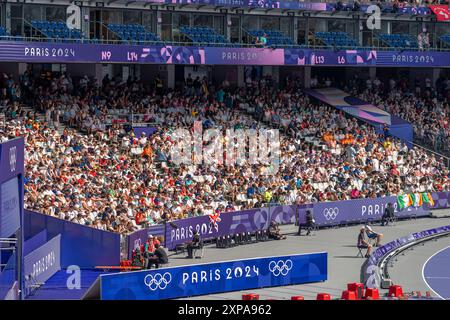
13	158
157	281
330	213
280	267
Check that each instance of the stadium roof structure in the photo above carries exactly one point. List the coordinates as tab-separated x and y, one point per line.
364	111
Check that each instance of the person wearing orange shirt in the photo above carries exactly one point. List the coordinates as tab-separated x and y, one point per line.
147	152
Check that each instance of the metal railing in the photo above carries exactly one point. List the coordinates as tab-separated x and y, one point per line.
437	154
314	45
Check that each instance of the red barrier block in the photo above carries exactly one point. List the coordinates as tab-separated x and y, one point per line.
348	295
297	298
323	296
250	296
356	287
373	294
395	291
428	294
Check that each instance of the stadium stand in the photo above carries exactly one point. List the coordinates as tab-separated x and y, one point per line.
445	39
134	33
336	39
57	31
275	38
332	157
201	35
399	41
3	33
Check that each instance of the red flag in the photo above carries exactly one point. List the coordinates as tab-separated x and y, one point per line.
441	11
214	218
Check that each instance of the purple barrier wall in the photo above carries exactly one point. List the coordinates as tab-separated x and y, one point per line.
441	200
230	223
41	52
325	214
371	277
148	131
35	242
42	263
83	246
359	210
11	210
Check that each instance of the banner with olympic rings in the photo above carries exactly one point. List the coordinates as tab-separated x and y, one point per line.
225	276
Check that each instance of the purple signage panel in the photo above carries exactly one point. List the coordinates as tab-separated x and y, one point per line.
244	56
266	4
293	5
308	57
413	58
11	158
85	53
34	242
229	223
11	168
147	130
123	53
360	210
441	200
42	263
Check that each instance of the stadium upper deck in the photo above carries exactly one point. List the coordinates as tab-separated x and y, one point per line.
234	23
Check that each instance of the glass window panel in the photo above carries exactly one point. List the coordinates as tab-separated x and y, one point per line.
367	36
270	23
399	27
336	25
350	28
55	13
317	25
301	31
286	26
16	11
166	26
179	20
148	20
250	22
111	16
132	17
203	20
441	28
235	29
16	27
219	24
384	26
31	13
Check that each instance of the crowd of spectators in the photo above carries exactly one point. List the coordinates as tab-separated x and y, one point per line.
425	106
100	174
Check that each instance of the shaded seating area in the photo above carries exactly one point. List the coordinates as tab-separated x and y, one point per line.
275	38
134	33
57	31
201	35
341	40
4	35
445	40
399	41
